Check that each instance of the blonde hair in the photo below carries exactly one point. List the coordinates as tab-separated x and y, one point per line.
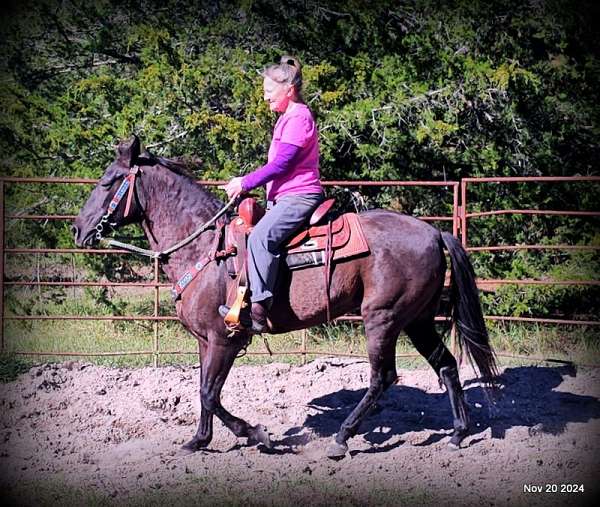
287	71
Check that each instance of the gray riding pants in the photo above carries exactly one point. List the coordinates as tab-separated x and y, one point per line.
282	219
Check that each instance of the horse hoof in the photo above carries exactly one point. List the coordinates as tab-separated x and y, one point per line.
259	434
336	450
455	441
188	448
194	445
453	446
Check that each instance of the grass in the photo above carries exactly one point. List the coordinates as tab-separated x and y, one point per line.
111	337
579	344
574	343
11	367
195	490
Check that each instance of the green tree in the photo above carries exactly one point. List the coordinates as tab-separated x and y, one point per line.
402	90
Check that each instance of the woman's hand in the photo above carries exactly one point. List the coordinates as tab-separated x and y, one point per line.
233	188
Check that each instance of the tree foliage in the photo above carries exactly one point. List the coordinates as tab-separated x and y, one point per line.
402	90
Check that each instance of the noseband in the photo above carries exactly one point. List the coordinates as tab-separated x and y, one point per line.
127	184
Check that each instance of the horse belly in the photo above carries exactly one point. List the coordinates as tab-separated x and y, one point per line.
306	301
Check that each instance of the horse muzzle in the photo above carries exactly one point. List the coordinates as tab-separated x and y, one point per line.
83	240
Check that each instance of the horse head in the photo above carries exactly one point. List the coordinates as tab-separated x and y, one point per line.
114	201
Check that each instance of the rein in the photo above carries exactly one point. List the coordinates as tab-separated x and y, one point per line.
128	185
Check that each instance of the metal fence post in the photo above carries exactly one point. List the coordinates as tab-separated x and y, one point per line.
303	349
2	348
455	213
463	214
156	311
456	227
462	226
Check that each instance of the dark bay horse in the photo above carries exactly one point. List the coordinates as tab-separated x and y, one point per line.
396	287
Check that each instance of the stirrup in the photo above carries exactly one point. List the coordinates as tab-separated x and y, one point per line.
246	321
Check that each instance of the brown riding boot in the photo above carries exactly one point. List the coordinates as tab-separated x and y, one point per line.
258	314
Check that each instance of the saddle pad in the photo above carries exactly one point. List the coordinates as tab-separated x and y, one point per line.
357	244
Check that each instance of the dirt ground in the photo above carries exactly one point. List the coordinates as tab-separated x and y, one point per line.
74	429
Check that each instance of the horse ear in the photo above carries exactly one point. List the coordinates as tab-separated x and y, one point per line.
128	151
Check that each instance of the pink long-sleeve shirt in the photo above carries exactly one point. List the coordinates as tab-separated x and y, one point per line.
290	173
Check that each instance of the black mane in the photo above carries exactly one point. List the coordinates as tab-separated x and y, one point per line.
183	166
179	165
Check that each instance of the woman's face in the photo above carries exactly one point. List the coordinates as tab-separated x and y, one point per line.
278	95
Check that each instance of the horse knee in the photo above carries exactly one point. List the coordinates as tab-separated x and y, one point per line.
209	400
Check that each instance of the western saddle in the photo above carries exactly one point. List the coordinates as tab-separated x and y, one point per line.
327	238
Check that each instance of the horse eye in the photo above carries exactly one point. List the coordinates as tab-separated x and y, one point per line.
108	182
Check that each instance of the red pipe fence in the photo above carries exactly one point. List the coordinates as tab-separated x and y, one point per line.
459	218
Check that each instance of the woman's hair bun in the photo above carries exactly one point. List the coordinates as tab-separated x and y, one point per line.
290	60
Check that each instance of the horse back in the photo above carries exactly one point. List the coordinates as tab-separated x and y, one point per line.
405	256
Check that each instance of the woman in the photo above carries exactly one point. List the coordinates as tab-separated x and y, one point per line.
292	182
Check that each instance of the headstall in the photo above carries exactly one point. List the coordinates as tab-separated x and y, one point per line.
127	184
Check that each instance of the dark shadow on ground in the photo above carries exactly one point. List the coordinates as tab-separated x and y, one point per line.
526	399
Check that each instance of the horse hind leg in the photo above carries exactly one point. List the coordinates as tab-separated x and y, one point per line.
429	344
449	376
381	349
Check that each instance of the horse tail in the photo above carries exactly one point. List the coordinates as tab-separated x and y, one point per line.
467	313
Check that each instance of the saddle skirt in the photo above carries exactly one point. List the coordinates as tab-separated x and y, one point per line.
307	247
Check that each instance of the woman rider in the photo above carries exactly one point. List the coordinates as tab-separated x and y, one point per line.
292	181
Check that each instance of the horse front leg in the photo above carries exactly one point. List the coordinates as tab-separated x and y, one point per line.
203	434
216	363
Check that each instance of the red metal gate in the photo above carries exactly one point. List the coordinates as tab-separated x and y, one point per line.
459	219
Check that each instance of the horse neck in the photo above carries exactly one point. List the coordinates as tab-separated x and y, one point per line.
174	208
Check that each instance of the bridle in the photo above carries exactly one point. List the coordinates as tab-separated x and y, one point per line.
127	185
